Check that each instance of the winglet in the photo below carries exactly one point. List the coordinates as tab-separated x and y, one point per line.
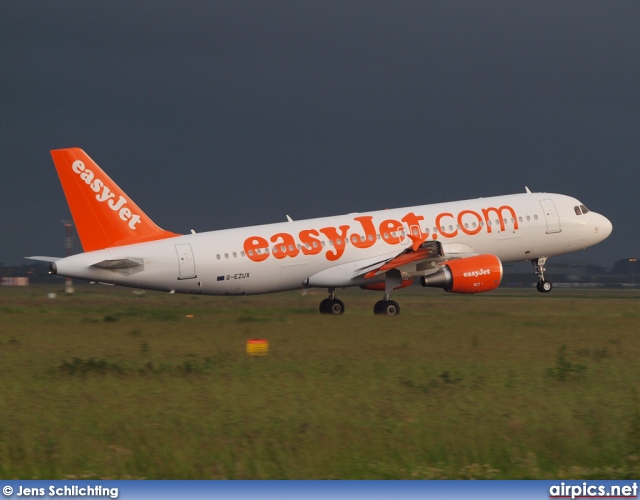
103	214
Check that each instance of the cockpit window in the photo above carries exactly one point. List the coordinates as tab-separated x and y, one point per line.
585	210
577	209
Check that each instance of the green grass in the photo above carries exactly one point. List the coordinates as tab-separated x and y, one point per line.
511	384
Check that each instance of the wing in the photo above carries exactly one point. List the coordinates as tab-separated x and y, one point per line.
418	260
427	251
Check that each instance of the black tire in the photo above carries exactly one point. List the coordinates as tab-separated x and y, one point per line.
336	306
546	286
386	308
391	308
324	306
378	307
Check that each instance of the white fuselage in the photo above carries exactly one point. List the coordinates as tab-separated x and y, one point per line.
327	252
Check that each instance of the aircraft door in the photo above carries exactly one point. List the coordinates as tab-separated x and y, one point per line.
186	262
551	216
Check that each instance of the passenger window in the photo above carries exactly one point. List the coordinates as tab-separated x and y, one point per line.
520	218
235	255
535	217
242	254
226	255
218	256
528	218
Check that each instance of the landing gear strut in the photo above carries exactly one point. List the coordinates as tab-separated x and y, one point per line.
332	305
543	285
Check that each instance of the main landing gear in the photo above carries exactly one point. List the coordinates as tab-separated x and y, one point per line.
543	285
386	306
332	305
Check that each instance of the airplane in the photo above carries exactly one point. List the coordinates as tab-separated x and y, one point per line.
458	246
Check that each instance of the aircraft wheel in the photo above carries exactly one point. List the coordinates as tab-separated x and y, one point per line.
332	306
386	307
336	306
391	308
324	306
544	286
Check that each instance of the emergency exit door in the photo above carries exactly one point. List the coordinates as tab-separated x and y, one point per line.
186	262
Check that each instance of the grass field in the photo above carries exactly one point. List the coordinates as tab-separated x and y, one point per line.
511	384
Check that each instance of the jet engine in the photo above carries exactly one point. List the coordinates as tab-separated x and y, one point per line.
480	273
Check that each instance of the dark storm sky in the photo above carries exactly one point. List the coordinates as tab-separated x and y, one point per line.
220	114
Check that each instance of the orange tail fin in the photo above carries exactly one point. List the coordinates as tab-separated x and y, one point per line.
104	215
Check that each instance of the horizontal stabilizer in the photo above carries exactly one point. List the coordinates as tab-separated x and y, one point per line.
42	258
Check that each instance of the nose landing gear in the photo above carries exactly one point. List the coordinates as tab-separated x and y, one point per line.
543	285
332	305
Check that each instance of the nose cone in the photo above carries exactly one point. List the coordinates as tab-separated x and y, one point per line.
603	227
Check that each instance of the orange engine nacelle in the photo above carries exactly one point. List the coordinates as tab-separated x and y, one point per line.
477	274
